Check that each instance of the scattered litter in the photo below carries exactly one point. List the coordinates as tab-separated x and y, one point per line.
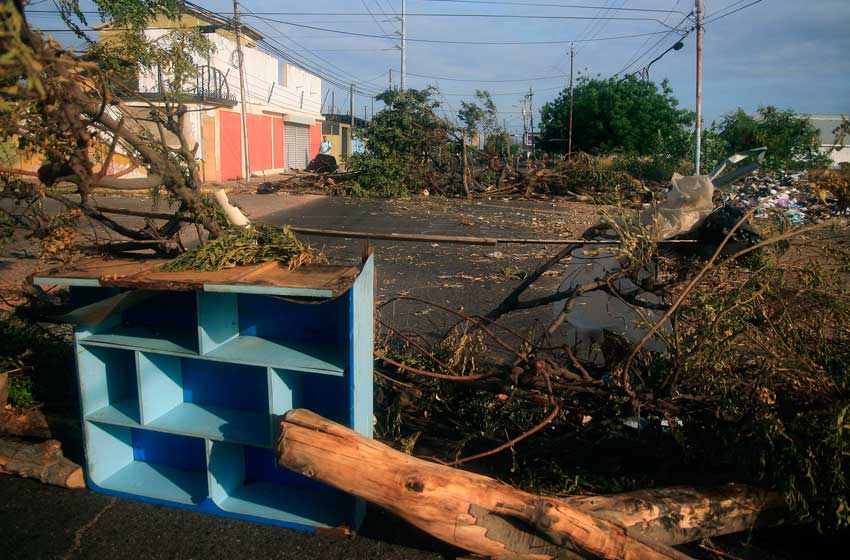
791	194
495	255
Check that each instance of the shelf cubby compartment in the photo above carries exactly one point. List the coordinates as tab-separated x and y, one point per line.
267	331
246	480
109	386
155	465
165	322
323	394
202	398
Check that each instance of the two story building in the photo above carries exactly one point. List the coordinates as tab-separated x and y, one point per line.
282	102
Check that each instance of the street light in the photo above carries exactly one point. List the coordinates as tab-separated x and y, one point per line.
678	46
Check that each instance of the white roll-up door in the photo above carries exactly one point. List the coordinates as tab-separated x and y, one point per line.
296	145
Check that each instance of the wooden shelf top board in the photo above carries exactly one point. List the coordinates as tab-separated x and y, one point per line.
271	278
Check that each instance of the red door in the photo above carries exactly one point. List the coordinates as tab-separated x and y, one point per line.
230	153
260	142
278	143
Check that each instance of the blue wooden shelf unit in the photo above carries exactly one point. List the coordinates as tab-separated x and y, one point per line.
182	377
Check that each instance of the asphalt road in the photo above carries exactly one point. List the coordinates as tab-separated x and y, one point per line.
38	521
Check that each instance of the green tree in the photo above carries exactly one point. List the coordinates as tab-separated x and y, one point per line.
480	119
792	141
406	145
629	115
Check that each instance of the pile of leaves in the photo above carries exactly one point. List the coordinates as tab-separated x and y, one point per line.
256	244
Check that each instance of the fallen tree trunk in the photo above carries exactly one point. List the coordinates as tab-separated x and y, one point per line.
682	514
43	461
489	518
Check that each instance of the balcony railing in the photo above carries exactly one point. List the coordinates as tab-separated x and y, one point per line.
208	85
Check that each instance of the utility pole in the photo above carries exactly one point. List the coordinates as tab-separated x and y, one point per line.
570	141
403	42
242	90
531	116
332	101
465	170
391	78
351	106
698	127
365	117
372	114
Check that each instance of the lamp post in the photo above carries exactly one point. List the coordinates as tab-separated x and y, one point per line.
676	47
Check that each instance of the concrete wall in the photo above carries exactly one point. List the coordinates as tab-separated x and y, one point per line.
270	86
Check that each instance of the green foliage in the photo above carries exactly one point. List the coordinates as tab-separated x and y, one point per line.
405	145
20	391
588	175
792	141
629	115
480	119
256	244
39	361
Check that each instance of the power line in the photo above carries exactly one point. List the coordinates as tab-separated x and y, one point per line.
447	42
551	5
637	54
538	78
713	19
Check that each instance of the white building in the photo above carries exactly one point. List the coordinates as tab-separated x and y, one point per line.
827	124
282	102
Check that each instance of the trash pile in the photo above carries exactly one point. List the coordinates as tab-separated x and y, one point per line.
791	194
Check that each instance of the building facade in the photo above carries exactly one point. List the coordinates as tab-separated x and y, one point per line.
282	103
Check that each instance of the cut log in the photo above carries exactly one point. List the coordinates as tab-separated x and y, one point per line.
4	389
467	510
30	423
43	461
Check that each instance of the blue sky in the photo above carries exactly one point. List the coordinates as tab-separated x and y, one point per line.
788	53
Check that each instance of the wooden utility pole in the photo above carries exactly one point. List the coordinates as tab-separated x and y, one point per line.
465	172
698	126
242	98
351	105
570	141
403	43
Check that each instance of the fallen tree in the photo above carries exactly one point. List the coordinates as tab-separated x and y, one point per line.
490	518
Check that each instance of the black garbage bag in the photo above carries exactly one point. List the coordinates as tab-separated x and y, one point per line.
267	188
717	226
323	163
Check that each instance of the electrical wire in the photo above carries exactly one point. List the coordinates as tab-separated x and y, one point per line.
551	5
448	42
534	79
713	19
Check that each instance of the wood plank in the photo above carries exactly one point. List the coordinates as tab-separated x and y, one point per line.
275	278
97	270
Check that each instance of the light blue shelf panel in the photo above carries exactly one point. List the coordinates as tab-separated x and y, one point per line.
159	482
215	423
164	340
121	413
296	355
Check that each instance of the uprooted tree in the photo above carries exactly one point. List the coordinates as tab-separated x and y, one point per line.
77	112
